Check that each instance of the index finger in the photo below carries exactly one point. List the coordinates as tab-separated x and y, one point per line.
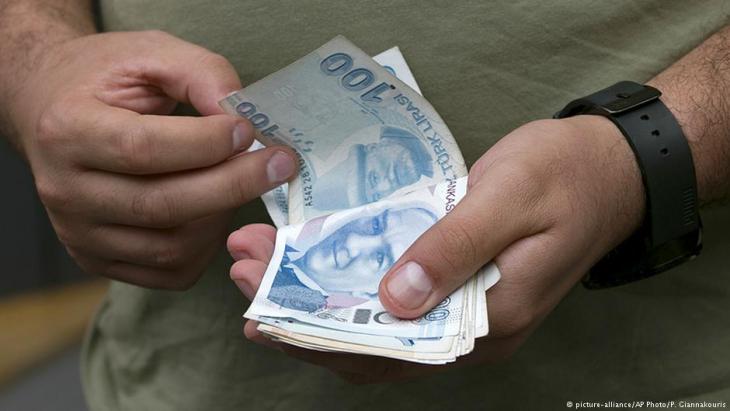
169	200
122	141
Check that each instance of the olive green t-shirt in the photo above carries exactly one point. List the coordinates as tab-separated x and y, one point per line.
487	67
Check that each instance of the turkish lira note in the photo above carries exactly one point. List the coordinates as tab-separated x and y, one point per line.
326	271
277	200
360	133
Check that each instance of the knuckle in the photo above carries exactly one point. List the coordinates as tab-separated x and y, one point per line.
523	186
171	255
75	255
52	195
135	149
209	58
242	188
51	125
67	236
88	264
90	267
155	207
477	170
457	243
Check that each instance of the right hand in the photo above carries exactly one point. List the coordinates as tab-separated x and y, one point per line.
133	193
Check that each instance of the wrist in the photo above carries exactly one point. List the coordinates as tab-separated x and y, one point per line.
619	192
695	90
708	152
672	231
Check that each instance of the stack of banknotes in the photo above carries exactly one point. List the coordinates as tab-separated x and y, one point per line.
378	167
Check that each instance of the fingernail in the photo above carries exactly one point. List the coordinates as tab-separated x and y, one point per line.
240	137
410	286
280	167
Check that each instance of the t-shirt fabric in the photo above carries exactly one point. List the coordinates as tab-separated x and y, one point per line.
487	67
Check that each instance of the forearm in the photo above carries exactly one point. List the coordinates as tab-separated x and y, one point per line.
697	90
29	28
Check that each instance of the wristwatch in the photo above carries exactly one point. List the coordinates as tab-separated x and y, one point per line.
672	231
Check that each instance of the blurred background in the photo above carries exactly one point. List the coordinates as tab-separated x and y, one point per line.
45	301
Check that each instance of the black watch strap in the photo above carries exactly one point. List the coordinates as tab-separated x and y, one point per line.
672	230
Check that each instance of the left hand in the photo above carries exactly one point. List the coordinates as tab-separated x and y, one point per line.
546	203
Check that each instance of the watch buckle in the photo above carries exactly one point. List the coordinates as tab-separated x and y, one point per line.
628	101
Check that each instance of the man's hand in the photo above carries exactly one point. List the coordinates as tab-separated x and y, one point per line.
135	194
546	202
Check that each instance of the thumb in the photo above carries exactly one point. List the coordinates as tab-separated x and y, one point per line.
451	251
191	74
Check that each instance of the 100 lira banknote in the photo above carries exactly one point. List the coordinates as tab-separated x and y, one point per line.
361	134
277	200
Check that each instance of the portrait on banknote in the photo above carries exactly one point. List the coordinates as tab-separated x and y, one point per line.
338	262
372	170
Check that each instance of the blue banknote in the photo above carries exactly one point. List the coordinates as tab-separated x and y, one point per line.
277	200
326	271
361	134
